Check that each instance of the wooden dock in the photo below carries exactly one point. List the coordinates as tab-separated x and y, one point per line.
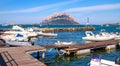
17	56
84	48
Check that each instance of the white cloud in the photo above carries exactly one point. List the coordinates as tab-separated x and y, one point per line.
94	8
39	8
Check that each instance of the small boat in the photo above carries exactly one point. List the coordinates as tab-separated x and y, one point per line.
64	43
4	24
40	33
62	51
90	36
97	61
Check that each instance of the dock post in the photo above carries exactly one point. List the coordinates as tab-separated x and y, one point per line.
83	51
43	54
38	55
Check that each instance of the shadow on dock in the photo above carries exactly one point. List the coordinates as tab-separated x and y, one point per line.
9	60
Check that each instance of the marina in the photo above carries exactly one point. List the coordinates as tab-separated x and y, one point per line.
63	47
59	32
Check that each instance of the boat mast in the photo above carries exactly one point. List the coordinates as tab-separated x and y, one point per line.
87	20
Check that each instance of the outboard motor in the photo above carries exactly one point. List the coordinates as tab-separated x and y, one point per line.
117	60
32	39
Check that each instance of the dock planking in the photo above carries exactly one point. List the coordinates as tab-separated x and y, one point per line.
17	56
93	45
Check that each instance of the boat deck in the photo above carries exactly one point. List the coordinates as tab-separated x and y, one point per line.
17	56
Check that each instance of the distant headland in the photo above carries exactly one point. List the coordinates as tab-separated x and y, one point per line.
114	24
60	19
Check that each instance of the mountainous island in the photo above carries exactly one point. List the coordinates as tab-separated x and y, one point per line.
59	19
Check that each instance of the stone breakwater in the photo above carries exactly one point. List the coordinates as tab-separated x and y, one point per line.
66	29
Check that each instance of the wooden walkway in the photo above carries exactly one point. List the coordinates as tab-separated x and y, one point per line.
17	56
88	45
77	47
94	45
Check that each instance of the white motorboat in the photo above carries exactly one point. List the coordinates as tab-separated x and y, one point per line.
48	34
40	33
12	40
63	43
62	51
90	36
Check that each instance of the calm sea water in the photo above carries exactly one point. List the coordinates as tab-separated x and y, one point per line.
53	59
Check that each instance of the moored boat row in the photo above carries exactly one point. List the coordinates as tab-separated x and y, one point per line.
21	35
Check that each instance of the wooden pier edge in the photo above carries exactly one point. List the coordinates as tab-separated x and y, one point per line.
86	48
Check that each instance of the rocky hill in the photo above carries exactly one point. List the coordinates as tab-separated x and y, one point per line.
59	19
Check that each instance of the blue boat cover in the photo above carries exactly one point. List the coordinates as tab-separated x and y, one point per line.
19	35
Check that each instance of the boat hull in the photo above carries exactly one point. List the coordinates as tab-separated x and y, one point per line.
97	39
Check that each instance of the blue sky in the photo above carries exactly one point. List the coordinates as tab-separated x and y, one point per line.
34	11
